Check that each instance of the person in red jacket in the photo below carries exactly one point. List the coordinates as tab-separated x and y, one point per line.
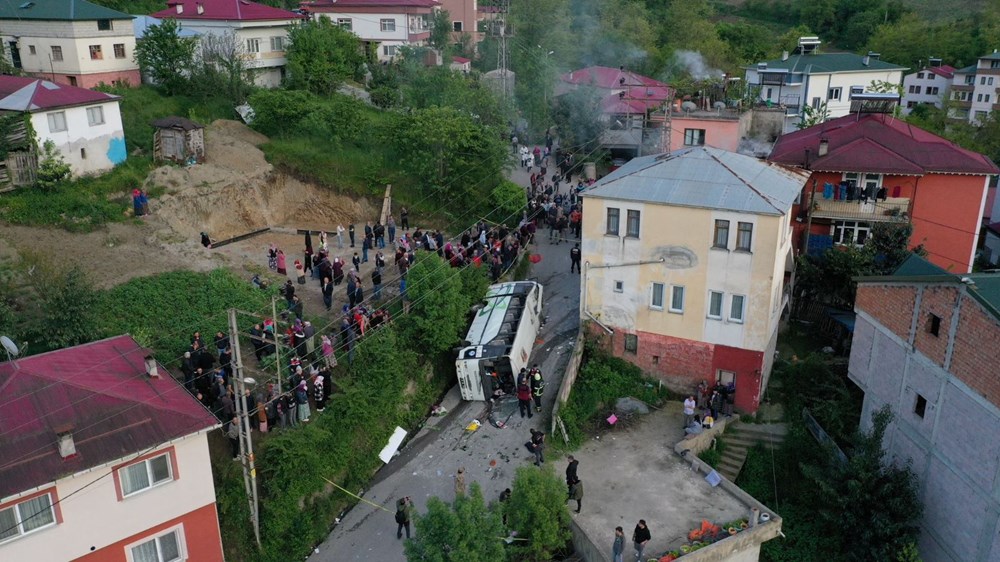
524	398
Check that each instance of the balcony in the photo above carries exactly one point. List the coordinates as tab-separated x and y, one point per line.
893	209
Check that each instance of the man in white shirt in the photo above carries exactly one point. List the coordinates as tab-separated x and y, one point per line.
689	405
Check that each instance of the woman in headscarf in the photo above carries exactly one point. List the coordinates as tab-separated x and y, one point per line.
302	401
328	355
319	392
272	257
281	263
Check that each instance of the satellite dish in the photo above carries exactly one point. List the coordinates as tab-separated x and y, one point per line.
10	347
689	106
719	105
249	380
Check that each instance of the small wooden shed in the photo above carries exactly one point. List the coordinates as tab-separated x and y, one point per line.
178	139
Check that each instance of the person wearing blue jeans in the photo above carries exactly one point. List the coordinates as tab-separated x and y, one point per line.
618	548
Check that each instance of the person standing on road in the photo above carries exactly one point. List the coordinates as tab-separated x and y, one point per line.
640	536
350	233
537	387
327	293
574	259
524	398
571	472
538	446
404	219
689	405
390	225
460	482
618	548
403	510
576	493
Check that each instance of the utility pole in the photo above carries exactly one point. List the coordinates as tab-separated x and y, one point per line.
503	56
246	442
277	349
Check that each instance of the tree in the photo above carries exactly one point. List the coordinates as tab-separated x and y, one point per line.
537	511
224	70
62	312
871	504
437	315
321	55
577	116
463	531
813	116
52	168
507	202
280	111
166	56
440	35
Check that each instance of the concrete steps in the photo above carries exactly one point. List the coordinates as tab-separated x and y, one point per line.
740	438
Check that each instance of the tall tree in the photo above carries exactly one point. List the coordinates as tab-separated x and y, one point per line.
166	56
440	35
462	531
537	511
437	315
321	55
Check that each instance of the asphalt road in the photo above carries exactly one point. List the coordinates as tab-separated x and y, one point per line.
427	465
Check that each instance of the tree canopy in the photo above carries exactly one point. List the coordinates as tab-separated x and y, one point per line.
166	56
462	531
321	55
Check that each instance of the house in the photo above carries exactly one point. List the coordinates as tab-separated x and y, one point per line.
72	42
720	128
104	457
179	140
929	85
925	343
260	32
461	64
685	256
382	25
632	106
976	89
899	173
464	20
812	79
85	125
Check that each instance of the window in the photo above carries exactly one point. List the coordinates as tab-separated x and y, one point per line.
676	298
145	474
932	90
456	26
851	232
253	45
631	343
986	98
736	308
721	238
970	79
980	115
387	24
31	49
865	180
920	406
995	64
982	81
934	325
277	43
389	50
119	50
95	115
345	23
694	137
930	75
164	548
769	92
27	516
632	226
914	89
725	377
989	80
979	97
715	305
619	286
104	25
744	236
72	80
656	298
857	90
57	122
656	360
612	226
95	53
834	94
83	153
920	75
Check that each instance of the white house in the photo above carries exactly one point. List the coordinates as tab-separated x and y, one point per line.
102	461
809	78
260	31
382	25
929	85
85	125
976	89
70	42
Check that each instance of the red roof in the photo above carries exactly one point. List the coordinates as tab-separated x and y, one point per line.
20	93
878	143
460	60
239	10
100	393
945	71
608	78
328	6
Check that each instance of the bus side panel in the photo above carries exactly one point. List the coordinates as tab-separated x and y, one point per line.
520	353
469	382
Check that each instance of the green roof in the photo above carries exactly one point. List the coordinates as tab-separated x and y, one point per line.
825	63
971	69
916	265
63	10
992	56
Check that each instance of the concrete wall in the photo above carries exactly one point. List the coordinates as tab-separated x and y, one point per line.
953	447
87	148
720	133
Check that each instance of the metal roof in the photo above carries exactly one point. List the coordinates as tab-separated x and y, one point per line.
827	63
61	10
100	393
23	93
704	177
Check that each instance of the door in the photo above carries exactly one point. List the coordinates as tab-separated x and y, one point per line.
15	54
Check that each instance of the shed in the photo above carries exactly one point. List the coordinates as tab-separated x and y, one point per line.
178	139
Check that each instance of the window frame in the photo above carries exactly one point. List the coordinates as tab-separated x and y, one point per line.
457	26
253	45
629	215
90	120
742	309
840	227
619	286
715	234
346	23
105	25
673	294
62	115
721	302
694	137
174	475
96	52
653	294
634	339
920	406
383	24
608	231
835	93
176	530
389	50
740	233
277	43
54	509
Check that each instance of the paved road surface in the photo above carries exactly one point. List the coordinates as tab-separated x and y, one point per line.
426	467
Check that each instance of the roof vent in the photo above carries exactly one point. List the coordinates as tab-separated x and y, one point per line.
934	62
26	5
824	147
67	448
201	8
784	55
180	7
151	369
808	45
874	55
865	60
761	66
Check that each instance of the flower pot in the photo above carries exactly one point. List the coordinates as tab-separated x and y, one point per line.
744	525
765	517
732	531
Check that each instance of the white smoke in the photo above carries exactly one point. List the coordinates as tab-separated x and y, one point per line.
695	64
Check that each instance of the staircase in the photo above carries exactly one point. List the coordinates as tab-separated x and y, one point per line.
740	438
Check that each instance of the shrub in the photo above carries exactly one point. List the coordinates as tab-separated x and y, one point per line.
537	511
52	168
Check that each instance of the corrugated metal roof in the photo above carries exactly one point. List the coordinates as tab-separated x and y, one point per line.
61	10
98	391
704	177
226	10
22	93
824	63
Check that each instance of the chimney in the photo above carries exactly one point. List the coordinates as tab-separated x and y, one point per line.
865	60
180	7
151	369
784	55
824	147
874	55
67	448
201	8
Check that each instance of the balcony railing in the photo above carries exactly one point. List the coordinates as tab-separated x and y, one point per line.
892	209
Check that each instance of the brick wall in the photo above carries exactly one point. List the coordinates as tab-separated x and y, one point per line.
892	306
974	357
939	301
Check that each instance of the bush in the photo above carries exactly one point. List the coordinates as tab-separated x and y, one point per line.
713	455
537	511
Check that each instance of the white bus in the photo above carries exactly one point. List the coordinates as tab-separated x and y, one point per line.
500	339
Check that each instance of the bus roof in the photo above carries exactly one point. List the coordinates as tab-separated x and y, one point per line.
498	320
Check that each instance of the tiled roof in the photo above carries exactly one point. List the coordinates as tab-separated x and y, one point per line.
825	63
62	10
609	78
326	5
877	143
101	394
704	177
227	10
20	93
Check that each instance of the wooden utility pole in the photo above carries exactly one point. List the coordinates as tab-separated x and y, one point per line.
243	416
277	348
